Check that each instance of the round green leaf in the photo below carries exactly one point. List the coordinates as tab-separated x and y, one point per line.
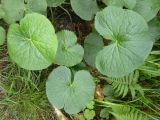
85	9
147	8
14	10
92	45
130	41
69	51
120	3
68	92
2	36
54	3
32	44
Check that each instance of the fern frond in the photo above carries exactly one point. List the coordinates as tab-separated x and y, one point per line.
128	113
125	84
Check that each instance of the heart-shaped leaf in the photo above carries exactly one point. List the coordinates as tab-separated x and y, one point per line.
130	41
14	10
2	36
32	44
120	3
68	92
147	8
85	9
92	45
54	3
69	51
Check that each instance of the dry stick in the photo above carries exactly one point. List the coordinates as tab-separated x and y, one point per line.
59	114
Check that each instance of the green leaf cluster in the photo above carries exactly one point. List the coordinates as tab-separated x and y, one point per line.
117	48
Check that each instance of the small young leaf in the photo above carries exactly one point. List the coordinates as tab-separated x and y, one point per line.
2	36
54	3
147	8
104	113
69	51
85	9
79	117
71	94
92	45
108	91
32	44
131	42
89	114
91	105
